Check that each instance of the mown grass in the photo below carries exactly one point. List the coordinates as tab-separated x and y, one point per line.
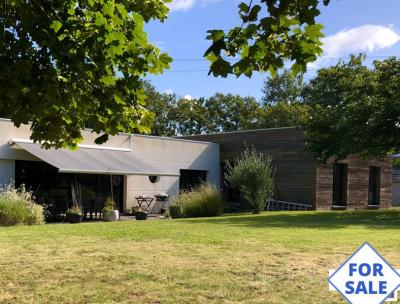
266	258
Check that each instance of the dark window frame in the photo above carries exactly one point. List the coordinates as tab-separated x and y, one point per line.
190	179
374	186
340	185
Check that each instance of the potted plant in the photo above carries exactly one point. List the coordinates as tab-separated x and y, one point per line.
141	214
110	213
74	215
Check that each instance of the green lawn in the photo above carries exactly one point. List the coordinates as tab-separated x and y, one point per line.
267	258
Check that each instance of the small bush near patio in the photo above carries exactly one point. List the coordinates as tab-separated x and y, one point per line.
253	176
17	207
201	202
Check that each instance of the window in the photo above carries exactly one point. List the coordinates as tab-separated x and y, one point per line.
190	179
340	172
51	187
374	187
154	179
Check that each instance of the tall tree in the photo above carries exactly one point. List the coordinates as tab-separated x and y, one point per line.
228	112
190	116
283	115
354	109
284	87
185	116
271	32
162	106
64	64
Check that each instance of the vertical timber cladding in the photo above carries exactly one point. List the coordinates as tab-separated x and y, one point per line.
358	182
295	168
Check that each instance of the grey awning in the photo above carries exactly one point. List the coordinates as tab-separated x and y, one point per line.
92	160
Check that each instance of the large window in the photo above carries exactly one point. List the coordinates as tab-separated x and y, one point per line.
374	187
340	172
51	187
190	179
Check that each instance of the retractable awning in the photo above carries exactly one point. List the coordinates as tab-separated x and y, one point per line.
92	160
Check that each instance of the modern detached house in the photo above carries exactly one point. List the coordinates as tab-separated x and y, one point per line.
129	166
352	183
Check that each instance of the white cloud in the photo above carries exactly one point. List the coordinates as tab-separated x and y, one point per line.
177	5
181	4
160	44
368	37
169	92
365	38
188	97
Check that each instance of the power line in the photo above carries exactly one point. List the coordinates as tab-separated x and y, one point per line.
185	71
327	57
232	59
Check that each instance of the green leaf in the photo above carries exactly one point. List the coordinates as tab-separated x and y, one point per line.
108	80
101	139
216	35
216	48
56	26
221	67
118	99
108	9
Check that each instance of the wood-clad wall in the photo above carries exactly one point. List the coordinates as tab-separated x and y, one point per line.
298	177
358	177
295	168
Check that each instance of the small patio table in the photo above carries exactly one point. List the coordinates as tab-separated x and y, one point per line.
146	201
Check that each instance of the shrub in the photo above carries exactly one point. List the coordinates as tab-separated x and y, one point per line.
17	207
75	210
253	176
174	211
202	201
109	205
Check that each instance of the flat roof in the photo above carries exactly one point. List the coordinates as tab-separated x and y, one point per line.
174	138
241	131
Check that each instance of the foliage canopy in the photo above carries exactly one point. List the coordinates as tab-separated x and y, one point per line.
272	32
354	109
67	64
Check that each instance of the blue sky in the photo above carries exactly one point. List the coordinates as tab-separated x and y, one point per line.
350	26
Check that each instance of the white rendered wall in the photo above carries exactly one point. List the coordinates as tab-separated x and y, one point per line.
170	155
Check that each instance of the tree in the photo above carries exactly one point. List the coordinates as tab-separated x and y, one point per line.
284	115
272	32
228	113
282	101
162	106
253	175
354	110
284	87
65	64
186	116
190	116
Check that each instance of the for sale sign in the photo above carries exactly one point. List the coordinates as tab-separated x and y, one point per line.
366	278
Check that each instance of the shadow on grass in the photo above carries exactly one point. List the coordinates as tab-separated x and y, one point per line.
383	219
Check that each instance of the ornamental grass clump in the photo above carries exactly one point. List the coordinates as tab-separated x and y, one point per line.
17	207
253	175
203	201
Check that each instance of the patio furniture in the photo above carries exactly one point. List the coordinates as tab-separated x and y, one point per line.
94	209
144	202
162	199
